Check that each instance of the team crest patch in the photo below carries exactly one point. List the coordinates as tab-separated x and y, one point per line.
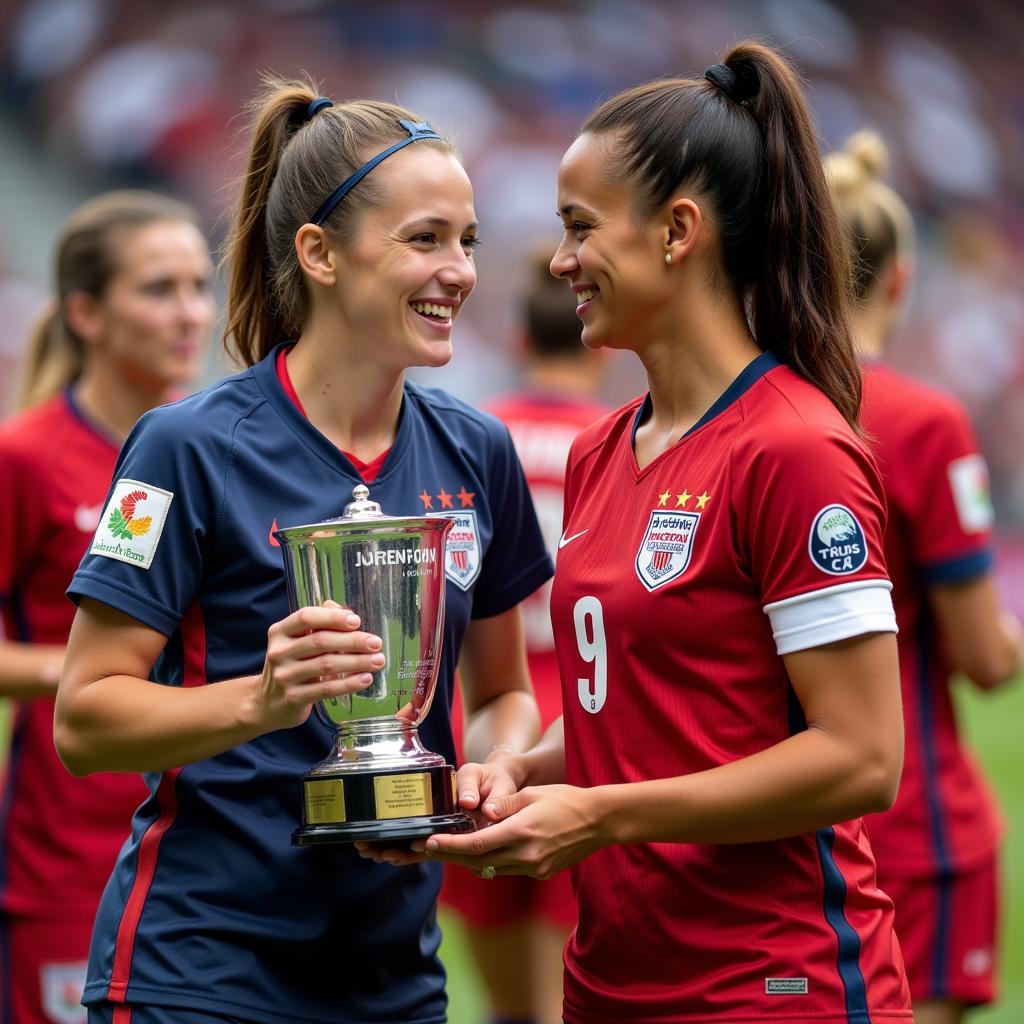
61	988
837	544
462	555
665	550
132	523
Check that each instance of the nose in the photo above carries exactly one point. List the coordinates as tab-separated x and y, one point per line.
458	271
564	262
195	307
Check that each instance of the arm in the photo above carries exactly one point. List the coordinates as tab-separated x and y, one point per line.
983	640
846	763
29	670
110	717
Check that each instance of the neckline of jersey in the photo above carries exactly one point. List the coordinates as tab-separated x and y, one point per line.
265	374
94	428
744	381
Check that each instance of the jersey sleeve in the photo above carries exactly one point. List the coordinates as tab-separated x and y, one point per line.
810	521
146	558
516	562
22	515
950	509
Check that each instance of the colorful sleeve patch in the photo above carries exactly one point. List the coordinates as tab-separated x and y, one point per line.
132	523
968	479
837	544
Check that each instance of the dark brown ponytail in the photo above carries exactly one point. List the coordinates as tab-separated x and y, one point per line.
743	138
295	162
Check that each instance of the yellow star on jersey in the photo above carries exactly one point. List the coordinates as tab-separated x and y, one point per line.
682	499
703	499
662	498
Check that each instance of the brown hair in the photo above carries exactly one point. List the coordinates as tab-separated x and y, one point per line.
877	221
552	326
86	260
750	148
295	163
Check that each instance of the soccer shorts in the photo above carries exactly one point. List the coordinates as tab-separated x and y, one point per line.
947	927
42	969
111	1013
509	899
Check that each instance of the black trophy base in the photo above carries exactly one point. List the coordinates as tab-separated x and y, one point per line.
379	806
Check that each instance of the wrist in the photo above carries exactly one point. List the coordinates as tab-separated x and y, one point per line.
511	760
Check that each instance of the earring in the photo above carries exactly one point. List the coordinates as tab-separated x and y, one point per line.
668	257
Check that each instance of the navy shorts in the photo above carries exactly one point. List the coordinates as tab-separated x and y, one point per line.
122	1013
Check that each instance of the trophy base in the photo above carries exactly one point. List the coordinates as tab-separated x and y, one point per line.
379	806
395	830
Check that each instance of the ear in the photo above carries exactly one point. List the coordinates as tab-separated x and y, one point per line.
84	315
897	282
683	225
315	257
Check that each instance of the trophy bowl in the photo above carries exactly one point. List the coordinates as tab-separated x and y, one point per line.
379	783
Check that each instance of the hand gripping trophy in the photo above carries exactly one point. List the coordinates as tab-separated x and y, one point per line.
379	783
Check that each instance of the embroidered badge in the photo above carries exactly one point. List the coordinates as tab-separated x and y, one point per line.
837	545
666	548
785	986
131	526
61	987
968	479
462	556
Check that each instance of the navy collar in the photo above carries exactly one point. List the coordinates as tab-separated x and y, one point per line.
94	428
748	377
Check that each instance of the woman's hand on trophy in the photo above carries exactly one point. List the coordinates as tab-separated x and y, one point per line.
538	831
481	787
314	654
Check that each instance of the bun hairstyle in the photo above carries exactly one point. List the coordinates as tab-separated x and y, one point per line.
302	147
86	260
742	140
877	221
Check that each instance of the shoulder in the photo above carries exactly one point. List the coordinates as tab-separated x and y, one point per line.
37	436
458	419
896	401
592	438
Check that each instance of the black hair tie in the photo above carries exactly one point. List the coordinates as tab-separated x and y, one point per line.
316	106
738	84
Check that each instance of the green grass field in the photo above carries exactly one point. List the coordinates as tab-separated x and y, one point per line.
992	723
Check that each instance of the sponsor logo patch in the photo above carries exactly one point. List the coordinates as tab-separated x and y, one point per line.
131	526
666	548
60	989
837	545
462	554
968	479
785	986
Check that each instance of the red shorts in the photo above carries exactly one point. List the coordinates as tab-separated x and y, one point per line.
947	929
509	899
42	970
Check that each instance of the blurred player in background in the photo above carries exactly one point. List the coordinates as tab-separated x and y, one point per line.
350	257
721	608
936	849
518	926
131	320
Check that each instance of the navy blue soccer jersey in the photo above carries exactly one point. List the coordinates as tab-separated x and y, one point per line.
210	907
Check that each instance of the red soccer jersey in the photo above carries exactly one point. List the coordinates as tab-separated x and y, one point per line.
939	526
766	518
543	427
59	835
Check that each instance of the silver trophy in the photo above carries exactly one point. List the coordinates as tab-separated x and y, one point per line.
379	782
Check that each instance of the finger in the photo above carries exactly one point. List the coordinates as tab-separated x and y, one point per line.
499	806
317	617
325	640
472	844
468	781
327	688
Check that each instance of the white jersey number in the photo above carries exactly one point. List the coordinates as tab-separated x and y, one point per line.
588	616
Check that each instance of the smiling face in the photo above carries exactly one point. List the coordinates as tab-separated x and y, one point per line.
612	259
402	282
153	321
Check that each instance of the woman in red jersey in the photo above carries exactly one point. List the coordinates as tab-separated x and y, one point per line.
936	848
721	607
132	315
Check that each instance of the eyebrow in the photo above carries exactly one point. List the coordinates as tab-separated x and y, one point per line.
569	209
439	222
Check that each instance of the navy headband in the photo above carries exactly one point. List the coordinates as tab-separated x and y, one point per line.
417	130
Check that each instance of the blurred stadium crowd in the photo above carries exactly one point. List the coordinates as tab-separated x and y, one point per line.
95	93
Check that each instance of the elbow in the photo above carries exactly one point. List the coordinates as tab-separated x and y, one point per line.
69	746
879	778
989	673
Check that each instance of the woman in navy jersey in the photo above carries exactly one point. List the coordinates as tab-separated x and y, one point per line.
130	322
350	257
936	849
721	608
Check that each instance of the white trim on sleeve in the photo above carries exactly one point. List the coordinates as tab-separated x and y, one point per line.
830	614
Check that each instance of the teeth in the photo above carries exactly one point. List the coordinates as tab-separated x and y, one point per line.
586	294
432	309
